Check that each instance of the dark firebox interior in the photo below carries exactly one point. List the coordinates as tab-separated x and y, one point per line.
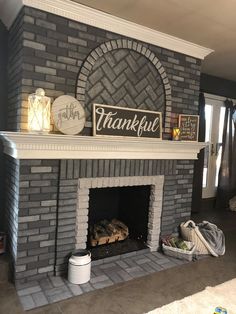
127	204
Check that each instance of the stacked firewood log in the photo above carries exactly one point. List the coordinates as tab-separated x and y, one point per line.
106	231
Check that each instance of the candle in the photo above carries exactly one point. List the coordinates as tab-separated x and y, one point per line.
176	134
39	112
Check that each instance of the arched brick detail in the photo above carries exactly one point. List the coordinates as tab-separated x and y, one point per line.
124	44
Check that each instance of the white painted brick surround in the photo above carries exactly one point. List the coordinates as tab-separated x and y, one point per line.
155	204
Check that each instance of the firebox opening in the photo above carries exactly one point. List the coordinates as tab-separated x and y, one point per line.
120	208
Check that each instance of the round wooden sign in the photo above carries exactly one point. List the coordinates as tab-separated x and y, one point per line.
68	115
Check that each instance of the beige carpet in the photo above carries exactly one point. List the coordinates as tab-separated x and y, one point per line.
204	302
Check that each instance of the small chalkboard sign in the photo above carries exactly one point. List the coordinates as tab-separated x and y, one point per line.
119	121
189	125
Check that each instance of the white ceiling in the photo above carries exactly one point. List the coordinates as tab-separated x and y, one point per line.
209	23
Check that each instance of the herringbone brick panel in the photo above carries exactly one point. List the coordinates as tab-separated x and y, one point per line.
125	78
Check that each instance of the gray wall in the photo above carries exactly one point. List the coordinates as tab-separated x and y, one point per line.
217	86
3	111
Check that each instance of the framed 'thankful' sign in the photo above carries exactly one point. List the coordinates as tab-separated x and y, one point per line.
119	121
189	126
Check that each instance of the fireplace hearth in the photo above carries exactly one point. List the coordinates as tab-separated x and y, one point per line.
126	205
48	199
116	249
136	201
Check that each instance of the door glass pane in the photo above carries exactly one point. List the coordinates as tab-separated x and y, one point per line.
221	124
219	144
208	118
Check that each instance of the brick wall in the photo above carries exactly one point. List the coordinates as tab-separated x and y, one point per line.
53	53
11	207
15	74
37	216
3	111
49	51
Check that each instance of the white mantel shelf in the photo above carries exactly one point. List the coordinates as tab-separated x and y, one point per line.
21	145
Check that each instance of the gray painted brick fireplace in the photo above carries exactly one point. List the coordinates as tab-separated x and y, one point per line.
67	57
42	203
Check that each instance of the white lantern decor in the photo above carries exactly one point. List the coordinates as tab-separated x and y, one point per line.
39	112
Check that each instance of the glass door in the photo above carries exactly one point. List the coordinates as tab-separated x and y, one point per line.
214	113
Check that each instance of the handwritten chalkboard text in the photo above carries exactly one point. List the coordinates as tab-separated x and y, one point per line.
189	125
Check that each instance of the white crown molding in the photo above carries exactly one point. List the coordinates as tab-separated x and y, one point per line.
21	145
83	14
